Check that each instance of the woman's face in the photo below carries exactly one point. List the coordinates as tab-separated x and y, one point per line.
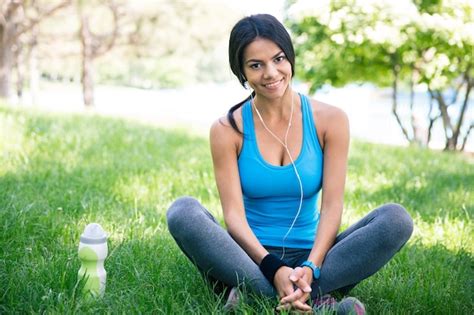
266	68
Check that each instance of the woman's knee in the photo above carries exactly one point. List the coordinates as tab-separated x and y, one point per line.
180	213
397	218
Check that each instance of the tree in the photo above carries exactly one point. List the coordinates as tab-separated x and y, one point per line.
172	43
141	43
134	42
17	17
401	44
94	45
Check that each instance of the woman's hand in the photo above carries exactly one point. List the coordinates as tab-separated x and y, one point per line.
285	281
302	279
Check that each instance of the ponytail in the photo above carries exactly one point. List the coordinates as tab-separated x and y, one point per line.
230	113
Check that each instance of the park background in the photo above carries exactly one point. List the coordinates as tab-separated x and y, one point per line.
105	113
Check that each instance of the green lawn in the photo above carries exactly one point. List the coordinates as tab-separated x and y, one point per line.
60	172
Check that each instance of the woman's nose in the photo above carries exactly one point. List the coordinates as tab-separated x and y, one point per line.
270	71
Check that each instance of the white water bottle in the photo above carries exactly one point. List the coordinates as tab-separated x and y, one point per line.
92	253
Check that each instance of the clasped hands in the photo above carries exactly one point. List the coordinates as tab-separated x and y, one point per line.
294	288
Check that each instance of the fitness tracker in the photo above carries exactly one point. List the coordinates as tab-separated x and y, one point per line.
316	269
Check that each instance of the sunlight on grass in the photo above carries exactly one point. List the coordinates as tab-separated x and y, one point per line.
14	146
137	188
369	184
453	233
60	172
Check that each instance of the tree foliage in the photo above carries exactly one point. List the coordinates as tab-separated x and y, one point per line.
425	44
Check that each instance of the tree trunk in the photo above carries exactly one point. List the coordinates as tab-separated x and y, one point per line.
466	137
432	121
33	72
457	128
414	120
395	103
87	79
14	23
19	71
448	127
6	61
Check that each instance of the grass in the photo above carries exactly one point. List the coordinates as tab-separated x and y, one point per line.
60	172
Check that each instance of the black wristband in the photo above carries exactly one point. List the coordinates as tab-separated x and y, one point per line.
269	266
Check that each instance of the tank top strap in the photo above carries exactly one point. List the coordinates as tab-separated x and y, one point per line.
247	120
309	125
248	131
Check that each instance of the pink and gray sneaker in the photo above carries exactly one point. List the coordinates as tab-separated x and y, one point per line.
232	300
326	304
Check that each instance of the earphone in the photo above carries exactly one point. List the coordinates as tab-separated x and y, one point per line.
285	145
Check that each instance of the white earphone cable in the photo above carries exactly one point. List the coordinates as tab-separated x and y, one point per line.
285	145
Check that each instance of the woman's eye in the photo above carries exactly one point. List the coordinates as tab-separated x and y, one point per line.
255	66
280	58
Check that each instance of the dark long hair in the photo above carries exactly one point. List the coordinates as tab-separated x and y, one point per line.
242	34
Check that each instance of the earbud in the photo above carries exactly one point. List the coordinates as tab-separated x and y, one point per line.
246	85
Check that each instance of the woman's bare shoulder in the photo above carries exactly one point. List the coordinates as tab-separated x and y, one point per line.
330	120
222	131
327	111
327	116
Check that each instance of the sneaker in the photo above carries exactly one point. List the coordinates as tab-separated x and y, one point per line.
232	300
350	305
326	304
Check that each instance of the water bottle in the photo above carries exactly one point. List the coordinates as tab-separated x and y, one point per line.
92	253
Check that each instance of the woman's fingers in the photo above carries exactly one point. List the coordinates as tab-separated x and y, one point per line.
303	285
300	306
296	295
296	306
293	298
282	281
297	273
297	277
283	307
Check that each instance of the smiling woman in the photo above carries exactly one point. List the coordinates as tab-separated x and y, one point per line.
268	72
273	154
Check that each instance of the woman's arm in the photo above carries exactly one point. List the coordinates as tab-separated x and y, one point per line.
336	147
224	148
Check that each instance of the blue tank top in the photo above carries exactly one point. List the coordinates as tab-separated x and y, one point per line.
271	194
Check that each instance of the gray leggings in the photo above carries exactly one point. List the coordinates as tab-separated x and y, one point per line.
357	253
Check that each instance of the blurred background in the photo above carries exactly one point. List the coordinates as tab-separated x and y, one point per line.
402	70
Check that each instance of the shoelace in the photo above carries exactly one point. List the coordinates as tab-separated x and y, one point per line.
325	300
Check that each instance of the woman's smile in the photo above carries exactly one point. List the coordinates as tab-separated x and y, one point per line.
273	85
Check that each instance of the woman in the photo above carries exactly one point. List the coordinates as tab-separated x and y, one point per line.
273	153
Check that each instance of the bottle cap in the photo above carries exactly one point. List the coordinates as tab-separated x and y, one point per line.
93	234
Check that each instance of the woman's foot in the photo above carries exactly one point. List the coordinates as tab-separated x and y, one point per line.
350	305
232	300
326	304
